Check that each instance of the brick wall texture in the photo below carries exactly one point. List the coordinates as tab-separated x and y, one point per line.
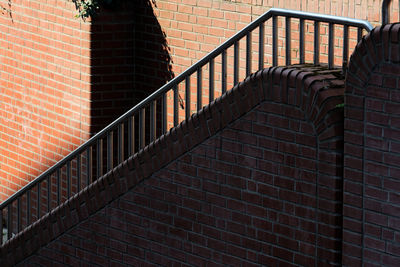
254	179
44	87
63	79
371	223
274	172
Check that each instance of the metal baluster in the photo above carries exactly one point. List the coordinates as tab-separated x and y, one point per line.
9	228
110	150
331	45
1	226
261	47
345	46
316	42
274	41
176	111
211	81
68	179
99	159
48	193
386	11
223	71
164	114
359	34
89	166
121	143
187	97
153	120
131	136
288	41
78	172
248	54
58	187
199	89
236	63
28	208
38	200
301	38
142	128
19	214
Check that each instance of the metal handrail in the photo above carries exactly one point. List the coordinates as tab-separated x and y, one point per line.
150	103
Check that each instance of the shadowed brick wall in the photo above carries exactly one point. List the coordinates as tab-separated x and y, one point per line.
371	226
254	178
63	79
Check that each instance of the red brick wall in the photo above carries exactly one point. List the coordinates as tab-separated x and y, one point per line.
195	27
44	87
254	179
63	79
372	152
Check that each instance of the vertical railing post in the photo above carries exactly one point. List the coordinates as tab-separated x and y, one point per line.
131	136
248	53
1	226
331	45
153	120
78	171
187	97
38	201
301	42
176	110
386	11
211	81
223	71
261	47
48	193
89	166
142	128
274	41
164	113
28	208
110	150
236	63
316	42
288	41
199	89
99	158
9	226
19	214
359	34
345	46
58	187
121	143
68	179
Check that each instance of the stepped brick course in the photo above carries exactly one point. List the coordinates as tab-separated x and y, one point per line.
63	79
252	178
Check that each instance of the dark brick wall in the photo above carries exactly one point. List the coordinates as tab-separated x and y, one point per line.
372	152
129	59
267	174
255	182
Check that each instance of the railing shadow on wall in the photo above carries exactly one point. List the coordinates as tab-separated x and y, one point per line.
129	59
144	123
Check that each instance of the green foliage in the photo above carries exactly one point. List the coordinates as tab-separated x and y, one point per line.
89	8
340	105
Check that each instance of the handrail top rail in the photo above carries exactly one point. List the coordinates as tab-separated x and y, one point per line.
163	89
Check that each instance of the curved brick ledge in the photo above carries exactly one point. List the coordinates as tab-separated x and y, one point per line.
371	215
313	90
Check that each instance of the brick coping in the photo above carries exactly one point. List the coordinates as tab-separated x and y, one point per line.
318	83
